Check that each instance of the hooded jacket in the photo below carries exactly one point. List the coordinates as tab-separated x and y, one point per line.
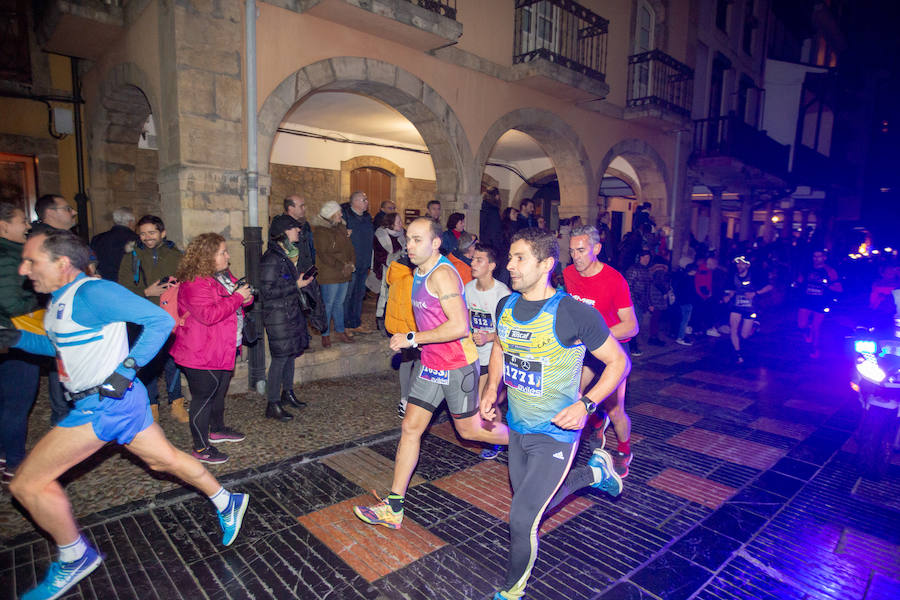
333	251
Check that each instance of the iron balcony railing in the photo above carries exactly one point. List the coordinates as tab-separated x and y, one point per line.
445	8
730	136
562	32
657	79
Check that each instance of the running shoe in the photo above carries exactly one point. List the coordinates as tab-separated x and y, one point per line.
713	332
231	518
63	575
6	475
491	452
608	480
226	435
684	342
210	456
621	462
380	514
689	330
499	596
637	353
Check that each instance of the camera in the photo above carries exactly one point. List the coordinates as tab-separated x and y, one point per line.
243	281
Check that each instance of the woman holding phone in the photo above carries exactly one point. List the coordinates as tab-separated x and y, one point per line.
210	304
285	323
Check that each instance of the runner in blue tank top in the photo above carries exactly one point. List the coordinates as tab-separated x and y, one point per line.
543	335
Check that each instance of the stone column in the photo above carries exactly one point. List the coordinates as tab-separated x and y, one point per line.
715	218
201	47
746	217
684	219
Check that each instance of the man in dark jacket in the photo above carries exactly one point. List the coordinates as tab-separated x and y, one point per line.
489	226
295	208
148	271
362	235
53	212
526	219
110	246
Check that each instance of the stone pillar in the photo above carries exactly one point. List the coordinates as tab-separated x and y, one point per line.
201	46
684	219
746	217
715	218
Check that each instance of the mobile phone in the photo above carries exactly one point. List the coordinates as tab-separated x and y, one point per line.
311	272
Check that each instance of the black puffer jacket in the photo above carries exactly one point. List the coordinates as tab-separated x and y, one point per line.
282	316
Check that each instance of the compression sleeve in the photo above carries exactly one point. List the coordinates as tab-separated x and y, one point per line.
101	302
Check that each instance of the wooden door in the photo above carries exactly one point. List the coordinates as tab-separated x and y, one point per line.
376	183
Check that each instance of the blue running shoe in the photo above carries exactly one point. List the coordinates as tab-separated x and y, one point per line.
491	452
63	575
231	518
605	475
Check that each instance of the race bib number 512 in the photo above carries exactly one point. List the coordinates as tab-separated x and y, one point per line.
523	374
481	321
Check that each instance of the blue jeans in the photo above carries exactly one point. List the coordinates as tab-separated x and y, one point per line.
333	295
164	363
19	376
686	310
355	294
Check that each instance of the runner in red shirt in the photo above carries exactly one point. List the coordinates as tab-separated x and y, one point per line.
599	285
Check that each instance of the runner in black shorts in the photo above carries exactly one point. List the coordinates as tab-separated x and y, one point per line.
739	297
817	287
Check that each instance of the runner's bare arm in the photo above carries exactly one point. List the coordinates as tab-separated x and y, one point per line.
627	327
444	283
495	373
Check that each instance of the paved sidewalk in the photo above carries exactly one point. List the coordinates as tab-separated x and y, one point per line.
744	486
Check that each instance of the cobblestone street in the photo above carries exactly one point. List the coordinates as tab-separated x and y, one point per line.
744	485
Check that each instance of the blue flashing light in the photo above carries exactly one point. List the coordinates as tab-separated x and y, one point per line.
865	346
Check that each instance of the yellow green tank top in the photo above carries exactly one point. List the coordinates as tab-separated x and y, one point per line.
541	374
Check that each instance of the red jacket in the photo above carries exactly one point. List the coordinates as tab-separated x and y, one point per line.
208	338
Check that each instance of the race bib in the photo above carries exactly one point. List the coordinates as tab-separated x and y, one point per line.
481	321
742	301
812	290
438	376
523	374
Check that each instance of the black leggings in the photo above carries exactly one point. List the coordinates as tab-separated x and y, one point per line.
281	377
207	410
538	465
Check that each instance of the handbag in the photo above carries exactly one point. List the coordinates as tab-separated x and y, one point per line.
251	329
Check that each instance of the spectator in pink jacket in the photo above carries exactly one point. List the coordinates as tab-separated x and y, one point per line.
210	309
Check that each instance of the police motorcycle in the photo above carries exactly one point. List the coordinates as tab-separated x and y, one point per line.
876	379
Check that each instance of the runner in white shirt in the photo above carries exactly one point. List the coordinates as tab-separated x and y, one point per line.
482	295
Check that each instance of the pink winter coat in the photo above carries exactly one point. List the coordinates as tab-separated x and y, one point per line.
208	338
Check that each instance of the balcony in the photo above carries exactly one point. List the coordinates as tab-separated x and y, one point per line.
659	89
82	28
420	24
559	47
736	154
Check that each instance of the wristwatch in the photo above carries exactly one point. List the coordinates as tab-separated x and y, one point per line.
130	363
590	407
411	338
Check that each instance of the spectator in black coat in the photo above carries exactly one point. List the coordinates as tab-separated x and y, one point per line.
285	323
490	227
110	246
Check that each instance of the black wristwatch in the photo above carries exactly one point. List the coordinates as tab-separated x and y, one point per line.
130	363
411	338
590	407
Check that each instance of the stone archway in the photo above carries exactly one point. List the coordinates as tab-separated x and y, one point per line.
653	183
561	144
121	174
407	94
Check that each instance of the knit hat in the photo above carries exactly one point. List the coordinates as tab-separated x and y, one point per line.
282	223
328	209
